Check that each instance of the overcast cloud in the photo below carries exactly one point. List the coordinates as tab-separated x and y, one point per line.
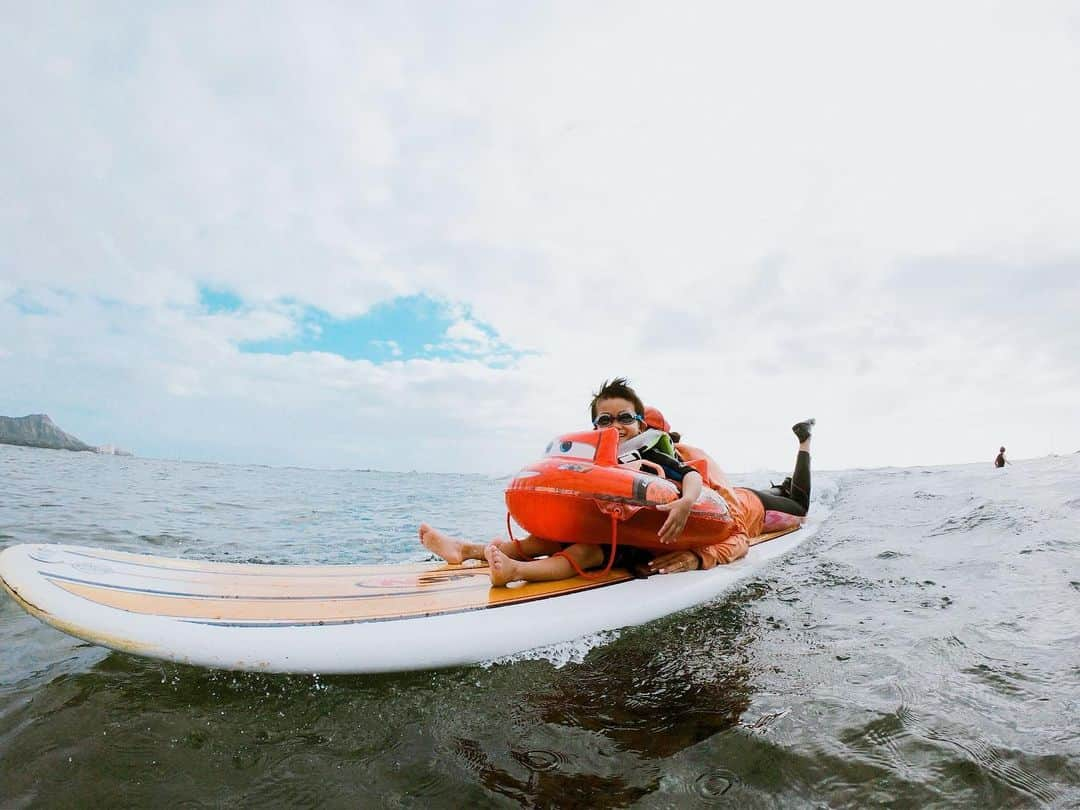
863	212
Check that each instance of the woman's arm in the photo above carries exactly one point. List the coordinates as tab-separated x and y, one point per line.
734	548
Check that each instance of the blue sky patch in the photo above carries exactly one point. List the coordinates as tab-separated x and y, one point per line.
39	301
27	305
404	328
218	301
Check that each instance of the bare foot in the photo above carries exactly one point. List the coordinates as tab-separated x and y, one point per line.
450	549
503	569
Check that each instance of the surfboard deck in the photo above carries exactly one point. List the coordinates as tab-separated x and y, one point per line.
336	618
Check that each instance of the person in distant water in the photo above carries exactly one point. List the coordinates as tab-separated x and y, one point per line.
1000	460
617	405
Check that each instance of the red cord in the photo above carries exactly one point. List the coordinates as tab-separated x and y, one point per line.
611	558
514	540
571	560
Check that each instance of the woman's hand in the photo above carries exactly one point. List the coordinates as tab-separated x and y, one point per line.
675	562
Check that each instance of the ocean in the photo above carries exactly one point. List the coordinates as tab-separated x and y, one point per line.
922	649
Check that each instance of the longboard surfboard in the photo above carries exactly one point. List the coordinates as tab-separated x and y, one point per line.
336	618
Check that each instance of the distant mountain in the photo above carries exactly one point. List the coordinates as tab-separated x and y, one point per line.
38	430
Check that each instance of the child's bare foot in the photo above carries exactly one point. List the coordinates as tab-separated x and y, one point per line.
451	550
503	569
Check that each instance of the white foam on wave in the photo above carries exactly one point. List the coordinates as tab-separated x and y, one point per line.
561	654
825	489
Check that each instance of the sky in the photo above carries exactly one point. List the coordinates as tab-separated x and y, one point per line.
418	236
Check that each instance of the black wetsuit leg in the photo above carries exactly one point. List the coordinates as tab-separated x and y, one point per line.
799	502
800	480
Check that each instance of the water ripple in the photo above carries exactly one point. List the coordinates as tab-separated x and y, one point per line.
996	515
539	759
714	784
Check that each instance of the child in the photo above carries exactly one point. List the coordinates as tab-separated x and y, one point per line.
617	405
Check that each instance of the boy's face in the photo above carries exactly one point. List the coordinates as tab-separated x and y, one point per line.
613	407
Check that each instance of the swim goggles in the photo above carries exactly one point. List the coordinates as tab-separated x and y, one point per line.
625	418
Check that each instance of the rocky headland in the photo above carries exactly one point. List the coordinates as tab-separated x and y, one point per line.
38	430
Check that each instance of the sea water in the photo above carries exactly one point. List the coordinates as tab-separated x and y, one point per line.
922	649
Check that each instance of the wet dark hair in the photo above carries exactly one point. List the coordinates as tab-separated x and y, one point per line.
619	388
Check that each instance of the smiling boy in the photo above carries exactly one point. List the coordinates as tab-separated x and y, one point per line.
616	405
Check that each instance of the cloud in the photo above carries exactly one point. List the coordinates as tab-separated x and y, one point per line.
865	213
390	346
466	332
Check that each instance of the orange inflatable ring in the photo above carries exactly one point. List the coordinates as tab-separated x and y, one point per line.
579	493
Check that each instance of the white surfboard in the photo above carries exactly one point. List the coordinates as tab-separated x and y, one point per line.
337	619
